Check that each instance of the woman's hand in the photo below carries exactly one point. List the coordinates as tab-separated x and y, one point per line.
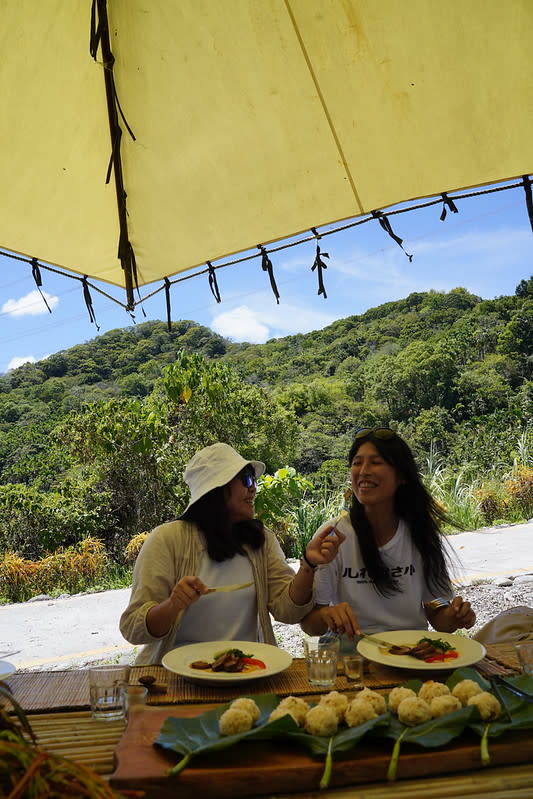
456	615
341	619
323	547
161	617
187	591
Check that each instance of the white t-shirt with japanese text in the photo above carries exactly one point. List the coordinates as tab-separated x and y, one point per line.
346	579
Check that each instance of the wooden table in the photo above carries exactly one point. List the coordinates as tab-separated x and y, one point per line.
73	733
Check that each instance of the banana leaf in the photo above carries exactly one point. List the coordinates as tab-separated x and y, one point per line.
342	741
200	734
194	736
431	734
517	714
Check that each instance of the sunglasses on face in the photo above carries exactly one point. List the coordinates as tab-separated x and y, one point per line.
247	479
378	432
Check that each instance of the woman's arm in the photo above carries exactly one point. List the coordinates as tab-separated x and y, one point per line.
155	578
313	623
161	617
320	550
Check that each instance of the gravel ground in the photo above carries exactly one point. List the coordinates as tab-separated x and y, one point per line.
487	600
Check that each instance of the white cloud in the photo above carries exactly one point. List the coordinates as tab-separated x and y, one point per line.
240	324
30	305
257	325
14	363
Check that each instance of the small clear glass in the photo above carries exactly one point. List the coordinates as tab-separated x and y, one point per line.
106	689
321	657
354	666
135	697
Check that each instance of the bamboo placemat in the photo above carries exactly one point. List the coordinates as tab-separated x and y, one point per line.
69	690
41	691
80	738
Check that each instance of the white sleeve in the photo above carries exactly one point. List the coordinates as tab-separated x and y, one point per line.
327	584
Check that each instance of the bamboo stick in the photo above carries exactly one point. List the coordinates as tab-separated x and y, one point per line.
66	735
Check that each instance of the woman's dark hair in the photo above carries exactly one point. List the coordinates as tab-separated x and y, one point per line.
415	506
223	539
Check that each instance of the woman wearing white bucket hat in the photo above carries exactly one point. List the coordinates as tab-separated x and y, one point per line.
217	542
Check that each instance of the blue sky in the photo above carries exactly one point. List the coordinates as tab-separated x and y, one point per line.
486	248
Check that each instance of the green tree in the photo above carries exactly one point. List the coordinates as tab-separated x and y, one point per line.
206	402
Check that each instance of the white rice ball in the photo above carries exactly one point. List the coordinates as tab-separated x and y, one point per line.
244	703
413	710
397	695
297	706
487	704
234	720
337	701
430	689
376	700
465	689
442	705
321	720
279	712
359	711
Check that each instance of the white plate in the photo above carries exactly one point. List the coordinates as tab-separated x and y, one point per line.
179	660
469	651
6	669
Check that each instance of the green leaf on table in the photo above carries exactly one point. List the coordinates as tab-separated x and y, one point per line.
201	734
342	741
516	713
467	673
431	734
192	736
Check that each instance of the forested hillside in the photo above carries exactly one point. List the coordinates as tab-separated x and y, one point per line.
96	436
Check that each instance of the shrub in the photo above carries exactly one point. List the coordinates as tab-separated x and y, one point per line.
133	547
519	488
72	569
34	522
490	502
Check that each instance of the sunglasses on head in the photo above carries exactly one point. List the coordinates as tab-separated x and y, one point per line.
378	432
248	479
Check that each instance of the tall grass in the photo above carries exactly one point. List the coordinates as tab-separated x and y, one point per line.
453	492
309	515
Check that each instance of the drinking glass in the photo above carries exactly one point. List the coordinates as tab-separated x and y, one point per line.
106	688
321	656
354	670
134	697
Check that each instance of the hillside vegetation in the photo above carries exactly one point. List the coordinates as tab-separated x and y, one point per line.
93	439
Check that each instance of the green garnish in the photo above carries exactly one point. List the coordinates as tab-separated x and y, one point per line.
438	643
237	652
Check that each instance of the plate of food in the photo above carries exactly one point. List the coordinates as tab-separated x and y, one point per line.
227	662
421	650
6	669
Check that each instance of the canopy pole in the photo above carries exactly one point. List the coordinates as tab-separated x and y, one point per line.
125	250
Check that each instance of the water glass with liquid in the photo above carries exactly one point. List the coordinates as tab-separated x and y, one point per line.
321	657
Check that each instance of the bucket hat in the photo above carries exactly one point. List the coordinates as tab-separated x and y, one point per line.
215	466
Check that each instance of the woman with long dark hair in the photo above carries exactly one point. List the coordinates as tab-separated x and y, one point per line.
393	563
217	542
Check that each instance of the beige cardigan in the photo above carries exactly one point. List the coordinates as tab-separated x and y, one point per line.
174	550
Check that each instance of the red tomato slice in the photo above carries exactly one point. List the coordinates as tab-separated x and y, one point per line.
255	662
449	655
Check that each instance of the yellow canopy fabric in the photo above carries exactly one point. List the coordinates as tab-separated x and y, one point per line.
253	120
